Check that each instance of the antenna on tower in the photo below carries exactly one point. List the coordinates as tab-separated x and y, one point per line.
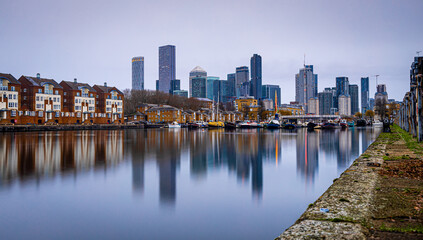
418	53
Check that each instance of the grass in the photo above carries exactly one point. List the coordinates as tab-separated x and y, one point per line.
407	229
410	141
396	158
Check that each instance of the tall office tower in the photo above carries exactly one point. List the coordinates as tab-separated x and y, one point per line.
241	80
175	85
313	106
305	85
344	102
256	79
365	105
325	101
138	73
371	103
232	84
353	90
167	67
342	88
221	91
210	91
197	72
270	92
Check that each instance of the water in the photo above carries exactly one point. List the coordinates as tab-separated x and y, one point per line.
167	184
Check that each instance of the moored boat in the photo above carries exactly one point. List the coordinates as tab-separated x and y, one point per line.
361	123
174	125
289	126
273	124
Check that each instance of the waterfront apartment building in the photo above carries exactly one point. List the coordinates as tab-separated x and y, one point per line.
79	98
10	98
344	103
353	91
41	97
167	67
109	103
305	85
365	104
242	82
242	103
164	114
256	76
313	106
273	92
138	73
198	88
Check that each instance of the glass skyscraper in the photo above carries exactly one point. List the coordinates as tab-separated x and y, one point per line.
305	85
138	73
325	101
365	104
241	81
342	88
270	92
210	88
197	73
256	77
167	67
353	91
232	84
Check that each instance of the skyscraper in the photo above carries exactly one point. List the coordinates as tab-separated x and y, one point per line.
241	80
210	86
197	72
232	84
256	79
221	91
365	104
167	67
175	85
344	103
353	90
325	101
305	85
381	93
270	92
342	88
138	73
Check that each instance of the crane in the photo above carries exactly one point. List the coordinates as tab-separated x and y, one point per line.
418	53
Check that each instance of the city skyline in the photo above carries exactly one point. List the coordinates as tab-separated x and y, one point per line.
94	48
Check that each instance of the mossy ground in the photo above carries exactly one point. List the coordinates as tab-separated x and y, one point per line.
398	200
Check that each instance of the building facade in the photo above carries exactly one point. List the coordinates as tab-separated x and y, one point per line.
353	91
10	98
256	76
79	98
325	101
210	87
232	84
167	67
109	103
241	81
138	73
344	105
365	104
198	73
313	106
305	85
273	92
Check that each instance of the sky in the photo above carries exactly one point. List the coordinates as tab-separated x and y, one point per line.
94	41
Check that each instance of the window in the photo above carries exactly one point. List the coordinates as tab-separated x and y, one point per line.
77	94
13	113
12	88
24	97
10	96
14	96
42	98
64	93
56	92
40	114
37	98
76	100
24	89
40	90
64	100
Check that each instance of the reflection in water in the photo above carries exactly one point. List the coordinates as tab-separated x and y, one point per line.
242	153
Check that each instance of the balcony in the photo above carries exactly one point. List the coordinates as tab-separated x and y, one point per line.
3	88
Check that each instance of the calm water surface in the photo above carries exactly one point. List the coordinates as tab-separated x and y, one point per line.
167	183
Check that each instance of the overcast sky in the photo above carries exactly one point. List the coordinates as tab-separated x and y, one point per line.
94	41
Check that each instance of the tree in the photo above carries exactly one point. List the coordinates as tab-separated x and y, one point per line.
392	109
380	107
358	115
369	114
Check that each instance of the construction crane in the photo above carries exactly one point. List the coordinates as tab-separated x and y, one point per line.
418	53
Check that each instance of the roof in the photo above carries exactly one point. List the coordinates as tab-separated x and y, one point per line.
107	89
162	108
9	77
77	86
198	69
204	99
41	81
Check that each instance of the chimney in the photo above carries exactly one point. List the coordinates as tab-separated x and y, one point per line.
105	84
75	80
38	75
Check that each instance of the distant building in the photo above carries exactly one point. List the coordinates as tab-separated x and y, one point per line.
305	85
210	90
353	90
381	93
325	101
182	93
342	88
232	84
271	91
198	73
371	103
344	105
138	73
256	76
245	89
268	104
241	81
295	109
221	91
199	87
365	104
313	106
175	85
244	102
167	67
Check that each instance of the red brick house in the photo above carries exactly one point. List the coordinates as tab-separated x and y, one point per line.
10	100
109	104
